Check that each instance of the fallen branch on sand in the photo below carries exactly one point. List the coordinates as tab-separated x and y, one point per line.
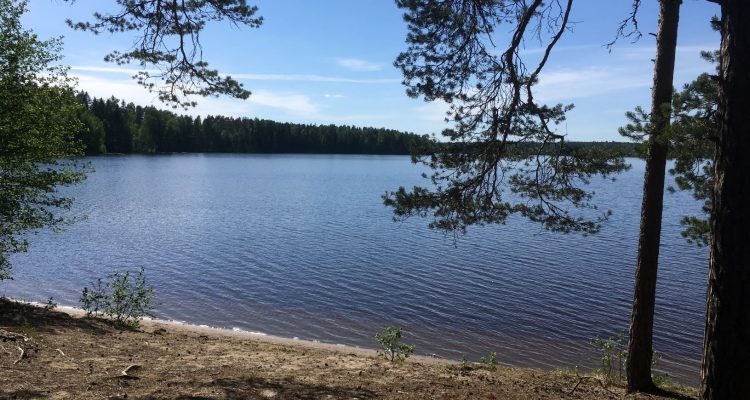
8	336
131	367
20	356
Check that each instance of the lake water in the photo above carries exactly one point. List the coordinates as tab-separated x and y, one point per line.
301	246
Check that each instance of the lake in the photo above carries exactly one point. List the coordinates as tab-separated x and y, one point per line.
301	246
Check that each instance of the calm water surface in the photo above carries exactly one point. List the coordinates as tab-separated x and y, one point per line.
301	246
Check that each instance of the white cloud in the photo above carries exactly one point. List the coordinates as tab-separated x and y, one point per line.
560	49
125	89
114	70
375	120
252	77
433	111
356	64
646	53
334	96
309	78
293	104
569	84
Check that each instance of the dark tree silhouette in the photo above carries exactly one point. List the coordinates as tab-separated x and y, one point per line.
726	350
502	139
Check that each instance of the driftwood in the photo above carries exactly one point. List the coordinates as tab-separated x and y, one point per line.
8	336
131	367
582	378
20	356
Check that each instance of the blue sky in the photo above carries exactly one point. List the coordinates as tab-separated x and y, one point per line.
330	61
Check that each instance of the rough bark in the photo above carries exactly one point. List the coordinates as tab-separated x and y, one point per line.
725	372
640	351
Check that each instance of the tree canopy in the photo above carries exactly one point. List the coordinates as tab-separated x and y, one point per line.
503	155
38	127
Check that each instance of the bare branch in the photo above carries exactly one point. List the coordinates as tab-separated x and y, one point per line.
628	27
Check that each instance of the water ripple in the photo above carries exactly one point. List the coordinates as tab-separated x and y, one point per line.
301	246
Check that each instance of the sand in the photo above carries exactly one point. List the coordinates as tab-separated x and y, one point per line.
70	356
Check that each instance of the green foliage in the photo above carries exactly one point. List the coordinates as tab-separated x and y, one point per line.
38	127
490	362
613	353
92	134
691	139
391	346
94	300
660	380
503	155
125	298
464	362
167	40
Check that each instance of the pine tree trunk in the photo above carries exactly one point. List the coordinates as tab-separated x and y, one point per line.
725	372
640	351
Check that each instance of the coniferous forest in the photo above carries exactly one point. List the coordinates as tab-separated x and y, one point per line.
116	127
113	126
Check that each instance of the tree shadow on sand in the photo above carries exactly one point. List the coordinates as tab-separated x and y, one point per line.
15	314
259	388
671	394
253	387
22	394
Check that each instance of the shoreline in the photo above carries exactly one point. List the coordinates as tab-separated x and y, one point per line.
191	328
239	333
64	355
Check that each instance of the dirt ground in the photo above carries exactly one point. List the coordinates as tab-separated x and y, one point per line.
71	357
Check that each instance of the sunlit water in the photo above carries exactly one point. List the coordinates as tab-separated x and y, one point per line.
301	246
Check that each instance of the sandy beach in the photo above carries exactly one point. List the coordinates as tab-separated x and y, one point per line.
69	356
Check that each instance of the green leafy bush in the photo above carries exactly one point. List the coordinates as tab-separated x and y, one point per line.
490	362
613	353
659	379
391	346
124	297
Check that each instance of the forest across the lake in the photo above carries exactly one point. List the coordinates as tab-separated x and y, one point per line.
115	126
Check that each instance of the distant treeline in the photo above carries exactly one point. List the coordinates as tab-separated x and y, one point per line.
113	126
624	149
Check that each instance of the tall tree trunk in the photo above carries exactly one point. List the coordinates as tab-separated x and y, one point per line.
725	372
640	351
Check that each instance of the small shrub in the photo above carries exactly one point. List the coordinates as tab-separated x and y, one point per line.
659	379
93	300
464	362
51	305
124	297
490	362
613	353
392	347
